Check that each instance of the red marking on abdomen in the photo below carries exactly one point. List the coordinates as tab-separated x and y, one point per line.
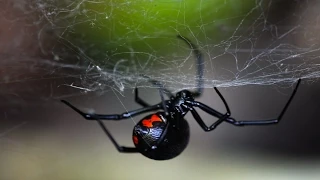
135	140
148	122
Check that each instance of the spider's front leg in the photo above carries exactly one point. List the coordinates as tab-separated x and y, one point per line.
127	115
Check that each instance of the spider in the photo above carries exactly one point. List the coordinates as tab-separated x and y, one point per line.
164	135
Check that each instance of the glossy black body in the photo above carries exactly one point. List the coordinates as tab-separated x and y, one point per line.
168	138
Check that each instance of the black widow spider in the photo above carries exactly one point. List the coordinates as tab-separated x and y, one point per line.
165	134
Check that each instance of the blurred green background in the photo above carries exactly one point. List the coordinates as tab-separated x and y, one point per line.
107	31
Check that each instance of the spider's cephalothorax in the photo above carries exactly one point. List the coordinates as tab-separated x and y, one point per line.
157	138
165	134
179	104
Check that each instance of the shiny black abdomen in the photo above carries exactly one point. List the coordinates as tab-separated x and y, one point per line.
158	138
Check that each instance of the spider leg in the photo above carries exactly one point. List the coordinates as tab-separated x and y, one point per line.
159	85
98	118
122	149
268	121
164	106
139	100
161	91
199	64
126	115
209	110
223	100
243	122
203	125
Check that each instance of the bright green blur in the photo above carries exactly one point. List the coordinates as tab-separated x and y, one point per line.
115	26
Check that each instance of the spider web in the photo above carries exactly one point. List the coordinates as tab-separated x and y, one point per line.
95	45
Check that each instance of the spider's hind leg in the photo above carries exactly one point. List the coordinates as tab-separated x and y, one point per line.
121	149
199	64
138	99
